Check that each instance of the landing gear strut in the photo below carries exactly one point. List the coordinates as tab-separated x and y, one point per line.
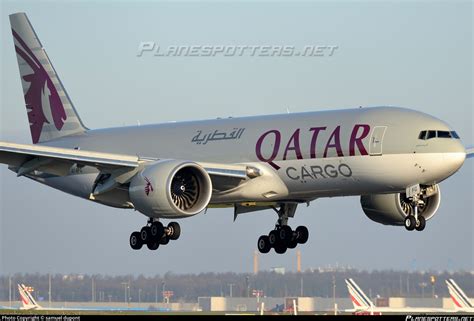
154	234
283	237
415	221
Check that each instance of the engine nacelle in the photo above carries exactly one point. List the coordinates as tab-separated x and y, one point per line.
171	189
392	209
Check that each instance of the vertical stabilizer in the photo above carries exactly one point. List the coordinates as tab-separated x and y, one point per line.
51	113
460	299
358	297
27	300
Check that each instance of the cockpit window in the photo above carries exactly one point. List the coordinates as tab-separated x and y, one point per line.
431	134
428	134
444	134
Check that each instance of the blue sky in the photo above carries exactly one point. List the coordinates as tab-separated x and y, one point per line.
411	54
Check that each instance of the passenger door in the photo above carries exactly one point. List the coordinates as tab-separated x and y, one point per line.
376	140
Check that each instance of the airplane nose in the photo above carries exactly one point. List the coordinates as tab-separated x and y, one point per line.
454	159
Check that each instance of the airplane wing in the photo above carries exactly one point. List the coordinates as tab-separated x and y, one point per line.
17	154
25	159
470	152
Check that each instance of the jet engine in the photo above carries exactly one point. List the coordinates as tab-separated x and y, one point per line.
171	189
391	209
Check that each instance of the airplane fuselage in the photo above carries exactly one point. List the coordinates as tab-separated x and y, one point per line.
315	154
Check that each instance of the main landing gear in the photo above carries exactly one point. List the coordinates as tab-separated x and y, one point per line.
154	234
283	237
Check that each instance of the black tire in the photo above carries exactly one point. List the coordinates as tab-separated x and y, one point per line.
285	234
153	245
175	230
421	223
273	238
263	244
302	234
164	240
135	241
145	234
410	222
280	248
157	230
293	243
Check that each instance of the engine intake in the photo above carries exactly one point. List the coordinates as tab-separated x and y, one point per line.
171	189
392	209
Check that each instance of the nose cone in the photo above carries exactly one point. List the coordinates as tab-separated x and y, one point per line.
454	158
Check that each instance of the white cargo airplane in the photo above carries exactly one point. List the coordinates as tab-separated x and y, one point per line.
393	158
363	305
460	299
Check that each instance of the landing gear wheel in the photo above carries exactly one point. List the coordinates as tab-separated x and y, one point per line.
302	234
273	238
145	234
421	223
164	240
153	244
285	234
135	241
263	244
410	223
293	243
157	230
280	248
175	230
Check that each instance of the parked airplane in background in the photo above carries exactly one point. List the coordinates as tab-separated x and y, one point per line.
27	300
363	305
460	299
394	158
29	303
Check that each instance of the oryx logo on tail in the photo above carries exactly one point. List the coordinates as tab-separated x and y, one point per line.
40	93
50	111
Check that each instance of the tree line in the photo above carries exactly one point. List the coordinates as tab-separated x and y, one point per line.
188	287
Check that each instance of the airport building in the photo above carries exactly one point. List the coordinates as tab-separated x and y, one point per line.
253	304
312	304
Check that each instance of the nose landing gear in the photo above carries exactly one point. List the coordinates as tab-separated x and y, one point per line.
413	220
